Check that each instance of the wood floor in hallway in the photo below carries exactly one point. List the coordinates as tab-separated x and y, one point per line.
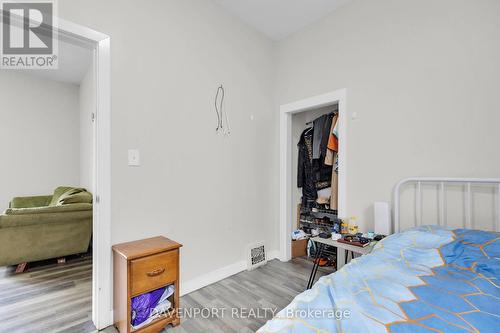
47	298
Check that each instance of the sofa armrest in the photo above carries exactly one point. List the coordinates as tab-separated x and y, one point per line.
30	202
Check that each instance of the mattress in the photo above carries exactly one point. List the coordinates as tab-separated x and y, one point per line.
427	279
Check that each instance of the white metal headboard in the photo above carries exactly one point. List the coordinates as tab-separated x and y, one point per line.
441	183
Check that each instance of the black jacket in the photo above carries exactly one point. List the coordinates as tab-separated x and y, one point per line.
322	172
305	172
312	173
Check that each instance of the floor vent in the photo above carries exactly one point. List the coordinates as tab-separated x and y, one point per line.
256	255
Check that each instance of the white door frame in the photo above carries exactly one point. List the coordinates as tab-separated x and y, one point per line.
286	112
102	305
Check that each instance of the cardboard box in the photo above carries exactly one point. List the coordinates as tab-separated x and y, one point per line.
299	248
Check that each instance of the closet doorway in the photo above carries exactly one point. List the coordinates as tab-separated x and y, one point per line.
296	111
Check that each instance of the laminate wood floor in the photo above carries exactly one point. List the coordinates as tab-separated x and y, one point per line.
47	298
57	298
271	286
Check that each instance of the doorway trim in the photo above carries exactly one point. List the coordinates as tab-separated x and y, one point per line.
102	305
102	293
286	112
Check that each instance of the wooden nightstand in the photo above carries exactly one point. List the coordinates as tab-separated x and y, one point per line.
140	267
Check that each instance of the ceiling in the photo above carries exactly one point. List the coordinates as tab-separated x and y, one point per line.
74	62
280	18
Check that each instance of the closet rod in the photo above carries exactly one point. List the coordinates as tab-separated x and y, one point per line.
312	121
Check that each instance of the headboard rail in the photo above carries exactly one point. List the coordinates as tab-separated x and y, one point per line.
441	188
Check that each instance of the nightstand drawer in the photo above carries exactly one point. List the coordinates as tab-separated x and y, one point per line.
153	271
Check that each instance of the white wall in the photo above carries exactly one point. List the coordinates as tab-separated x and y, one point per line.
423	76
87	107
213	194
39	135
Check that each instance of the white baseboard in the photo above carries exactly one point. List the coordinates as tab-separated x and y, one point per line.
274	254
212	277
219	274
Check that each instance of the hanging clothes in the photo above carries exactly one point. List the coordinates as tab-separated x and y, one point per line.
332	145
315	161
322	171
333	142
322	127
334	198
332	159
325	134
318	125
305	173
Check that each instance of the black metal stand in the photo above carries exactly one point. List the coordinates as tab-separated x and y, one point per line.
315	266
318	255
347	256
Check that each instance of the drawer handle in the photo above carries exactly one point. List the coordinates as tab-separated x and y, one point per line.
156	272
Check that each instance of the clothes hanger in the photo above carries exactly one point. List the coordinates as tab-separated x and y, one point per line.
307	130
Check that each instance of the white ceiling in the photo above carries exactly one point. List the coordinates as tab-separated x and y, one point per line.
74	62
280	18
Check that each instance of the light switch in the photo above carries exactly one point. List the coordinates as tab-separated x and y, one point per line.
134	158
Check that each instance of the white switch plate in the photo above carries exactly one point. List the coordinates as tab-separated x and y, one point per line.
134	159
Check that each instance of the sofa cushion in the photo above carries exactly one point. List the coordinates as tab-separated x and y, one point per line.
49	215
27	202
48	209
70	197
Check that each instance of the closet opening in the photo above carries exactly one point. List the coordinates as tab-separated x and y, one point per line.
312	168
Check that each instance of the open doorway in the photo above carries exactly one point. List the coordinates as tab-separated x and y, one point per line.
47	190
300	113
57	136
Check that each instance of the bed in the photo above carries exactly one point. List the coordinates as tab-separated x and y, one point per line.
428	278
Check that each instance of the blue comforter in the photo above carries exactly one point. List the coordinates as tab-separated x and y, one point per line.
428	279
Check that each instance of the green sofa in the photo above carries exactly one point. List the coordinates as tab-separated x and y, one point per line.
44	227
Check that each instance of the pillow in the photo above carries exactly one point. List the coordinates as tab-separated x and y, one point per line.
57	194
75	196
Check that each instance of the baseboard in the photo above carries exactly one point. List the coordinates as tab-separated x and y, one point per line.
212	277
219	274
274	254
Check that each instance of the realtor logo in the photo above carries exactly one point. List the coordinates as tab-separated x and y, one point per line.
28	35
